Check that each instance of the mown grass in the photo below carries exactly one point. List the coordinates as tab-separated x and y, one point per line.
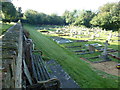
96	53
79	70
5	27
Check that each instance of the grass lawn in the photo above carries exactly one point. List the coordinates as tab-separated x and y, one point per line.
5	27
83	47
79	70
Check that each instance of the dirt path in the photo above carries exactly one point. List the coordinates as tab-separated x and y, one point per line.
108	67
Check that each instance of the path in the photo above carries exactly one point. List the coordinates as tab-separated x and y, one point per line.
108	67
57	71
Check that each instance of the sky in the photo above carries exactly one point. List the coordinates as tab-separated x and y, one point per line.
59	6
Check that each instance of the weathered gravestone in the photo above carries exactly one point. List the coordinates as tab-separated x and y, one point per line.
110	36
91	48
93	36
104	54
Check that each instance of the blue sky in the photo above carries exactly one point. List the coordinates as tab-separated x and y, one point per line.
59	6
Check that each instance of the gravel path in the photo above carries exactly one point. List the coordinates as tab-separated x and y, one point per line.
57	71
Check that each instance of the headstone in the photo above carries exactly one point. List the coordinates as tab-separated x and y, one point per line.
97	35
91	48
79	32
105	48
93	36
75	36
71	33
57	31
110	36
104	55
88	33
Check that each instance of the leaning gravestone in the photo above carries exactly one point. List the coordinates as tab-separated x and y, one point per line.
104	55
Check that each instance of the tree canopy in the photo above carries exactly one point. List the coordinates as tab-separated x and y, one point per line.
108	16
8	10
84	18
34	17
69	17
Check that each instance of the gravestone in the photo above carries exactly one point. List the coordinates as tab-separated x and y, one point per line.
79	32
91	48
93	36
75	36
104	54
110	36
58	31
97	35
71	33
88	32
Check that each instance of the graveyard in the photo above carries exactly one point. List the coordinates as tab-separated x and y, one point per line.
85	49
79	54
73	46
85	42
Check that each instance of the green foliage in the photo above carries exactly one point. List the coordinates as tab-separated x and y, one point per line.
101	19
84	18
33	17
108	16
9	10
70	17
56	20
5	27
78	18
106	8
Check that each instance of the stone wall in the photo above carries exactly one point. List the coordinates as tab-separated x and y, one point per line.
12	57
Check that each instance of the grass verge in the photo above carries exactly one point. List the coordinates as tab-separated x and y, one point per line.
5	27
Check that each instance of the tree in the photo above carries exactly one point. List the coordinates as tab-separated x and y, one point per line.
31	16
84	18
19	12
108	16
102	20
9	11
56	20
115	13
69	17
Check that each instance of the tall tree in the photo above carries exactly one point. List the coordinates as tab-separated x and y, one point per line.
31	16
70	17
9	11
55	19
108	16
84	18
34	17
